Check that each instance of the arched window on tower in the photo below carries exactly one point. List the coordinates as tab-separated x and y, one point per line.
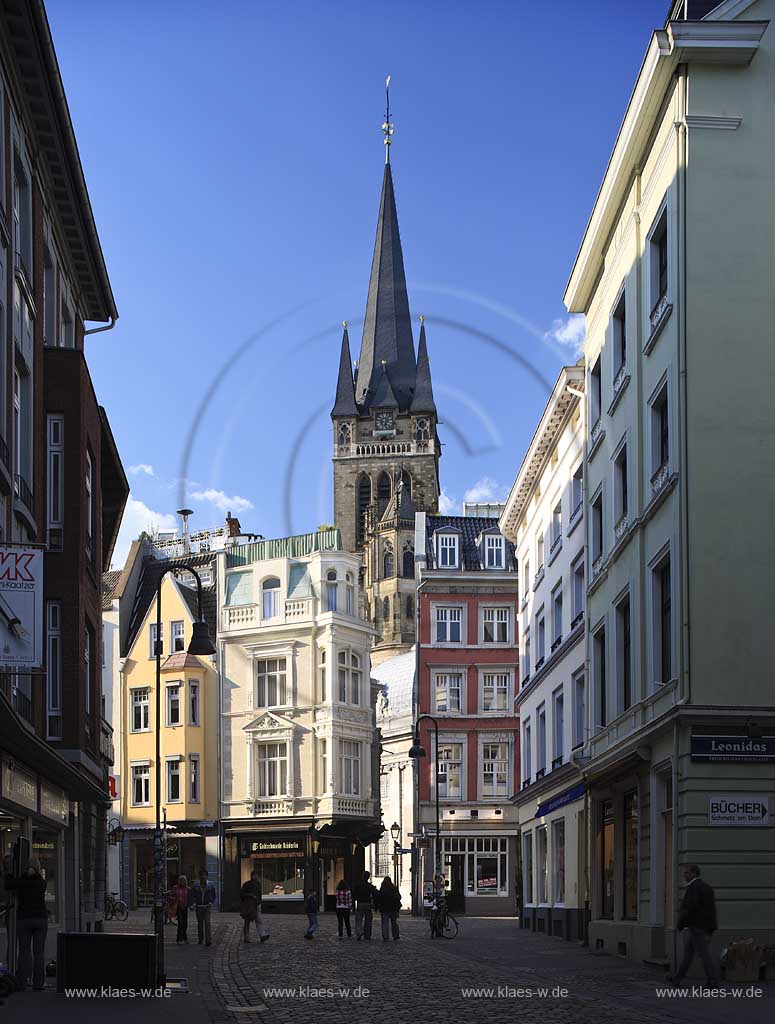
407	561
364	500
385	611
331	590
422	430
384	492
344	435
388	562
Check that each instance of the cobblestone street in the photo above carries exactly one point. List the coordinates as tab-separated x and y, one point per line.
409	981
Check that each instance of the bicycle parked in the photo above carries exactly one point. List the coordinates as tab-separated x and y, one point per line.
115	908
442	923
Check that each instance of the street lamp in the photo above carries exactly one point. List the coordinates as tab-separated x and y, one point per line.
115	832
417	750
395	832
200	644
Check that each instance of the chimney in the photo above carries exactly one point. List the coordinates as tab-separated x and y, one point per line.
233	527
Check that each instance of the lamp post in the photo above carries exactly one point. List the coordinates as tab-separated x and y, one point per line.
395	832
200	644
417	750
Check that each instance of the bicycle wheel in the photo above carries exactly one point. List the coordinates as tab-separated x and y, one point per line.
449	927
120	910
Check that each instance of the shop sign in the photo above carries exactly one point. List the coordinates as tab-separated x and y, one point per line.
747	809
487	885
19	784
21	606
113	786
279	847
739	749
427	894
555	802
54	803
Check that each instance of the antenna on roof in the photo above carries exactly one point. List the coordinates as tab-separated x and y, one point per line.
387	127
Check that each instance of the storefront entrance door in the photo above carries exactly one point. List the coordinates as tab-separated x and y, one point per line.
457	883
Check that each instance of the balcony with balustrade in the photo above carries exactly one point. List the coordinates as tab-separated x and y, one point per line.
241	617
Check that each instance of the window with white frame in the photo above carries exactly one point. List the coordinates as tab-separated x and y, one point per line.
556	525
447	550
579	708
174	794
141	709
270	597
541	740
527	868
495	769
322	674
450	770
526	658
56	481
619	334
332	589
448	690
493	547
578	589
350	767
577	491
484	862
449	625
178	636
558	861
173	704
558	728
599	654
557	616
193	702
349	677
156	642
540	550
355	679
496	625
272	773
660	431
54	670
193	778
540	637
271	683
323	755
141	784
621	485
496	692
541	866
658	261
526	580
527	752
349	596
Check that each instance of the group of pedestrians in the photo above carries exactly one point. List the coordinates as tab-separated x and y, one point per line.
364	898
198	897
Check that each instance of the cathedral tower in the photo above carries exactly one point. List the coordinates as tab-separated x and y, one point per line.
386	450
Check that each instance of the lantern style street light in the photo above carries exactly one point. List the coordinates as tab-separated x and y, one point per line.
417	750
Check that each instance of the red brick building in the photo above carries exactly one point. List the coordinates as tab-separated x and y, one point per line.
62	486
468	660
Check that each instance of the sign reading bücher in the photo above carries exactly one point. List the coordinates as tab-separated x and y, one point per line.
749	809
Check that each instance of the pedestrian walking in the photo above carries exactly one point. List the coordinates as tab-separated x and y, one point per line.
182	901
31	924
364	894
697	917
344	902
389	908
202	899
312	915
250	908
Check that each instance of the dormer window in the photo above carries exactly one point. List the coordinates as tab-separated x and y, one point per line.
447	551
493	552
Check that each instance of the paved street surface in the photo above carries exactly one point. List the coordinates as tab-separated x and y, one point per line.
409	981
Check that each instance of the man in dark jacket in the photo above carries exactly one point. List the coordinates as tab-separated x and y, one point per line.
31	924
363	896
697	917
203	898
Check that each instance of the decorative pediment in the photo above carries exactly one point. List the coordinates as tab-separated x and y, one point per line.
269	723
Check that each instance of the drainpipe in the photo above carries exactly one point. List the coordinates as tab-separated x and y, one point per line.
416	860
106	327
683	490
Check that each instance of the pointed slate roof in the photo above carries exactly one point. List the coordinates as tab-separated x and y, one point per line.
400	506
344	404
423	389
387	328
384	397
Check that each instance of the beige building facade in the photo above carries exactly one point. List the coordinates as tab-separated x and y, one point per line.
673	277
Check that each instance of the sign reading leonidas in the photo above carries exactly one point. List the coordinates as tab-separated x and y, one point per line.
21	606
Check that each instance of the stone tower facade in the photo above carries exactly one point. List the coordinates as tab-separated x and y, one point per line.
386	449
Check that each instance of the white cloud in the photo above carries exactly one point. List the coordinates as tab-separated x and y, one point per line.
569	332
138	518
448	506
486	490
141	467
222	501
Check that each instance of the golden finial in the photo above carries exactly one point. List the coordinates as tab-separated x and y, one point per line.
344	324
387	127
422	318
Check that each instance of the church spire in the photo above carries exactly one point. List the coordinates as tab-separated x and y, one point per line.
423	389
387	328
345	392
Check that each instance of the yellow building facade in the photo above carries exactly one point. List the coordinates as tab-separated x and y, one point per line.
189	741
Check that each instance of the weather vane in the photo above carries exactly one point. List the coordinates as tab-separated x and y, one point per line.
387	127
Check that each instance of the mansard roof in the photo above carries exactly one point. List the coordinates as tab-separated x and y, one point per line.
471	529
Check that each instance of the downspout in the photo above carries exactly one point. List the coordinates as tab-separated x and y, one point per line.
683	490
416	879
106	327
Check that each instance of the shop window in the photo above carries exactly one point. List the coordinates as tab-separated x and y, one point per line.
631	856
541	866
527	868
607	860
558	860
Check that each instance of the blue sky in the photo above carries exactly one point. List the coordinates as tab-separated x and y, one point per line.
234	160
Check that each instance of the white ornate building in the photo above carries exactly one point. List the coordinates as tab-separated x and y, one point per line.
299	791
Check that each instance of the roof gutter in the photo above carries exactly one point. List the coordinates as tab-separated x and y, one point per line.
107	327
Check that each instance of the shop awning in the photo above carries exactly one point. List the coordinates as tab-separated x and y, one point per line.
561	799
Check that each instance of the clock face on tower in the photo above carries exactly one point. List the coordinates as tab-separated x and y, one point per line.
384	422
